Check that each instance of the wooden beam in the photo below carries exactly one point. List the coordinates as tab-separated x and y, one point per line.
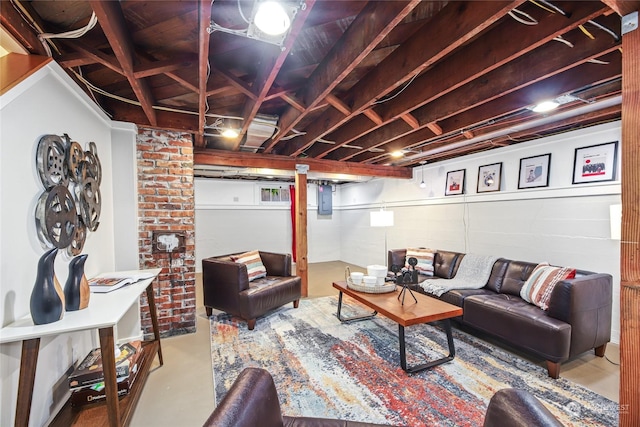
301	228
623	7
338	104
375	117
522	72
438	39
370	27
270	68
433	127
630	243
22	31
161	67
274	161
182	82
204	20
76	59
95	55
410	120
233	80
111	20
293	101
470	62
511	103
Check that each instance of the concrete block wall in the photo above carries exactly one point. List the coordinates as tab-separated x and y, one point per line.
166	203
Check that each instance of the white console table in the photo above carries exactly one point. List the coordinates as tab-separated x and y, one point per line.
104	312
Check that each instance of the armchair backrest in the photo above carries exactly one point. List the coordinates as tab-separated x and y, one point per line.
251	401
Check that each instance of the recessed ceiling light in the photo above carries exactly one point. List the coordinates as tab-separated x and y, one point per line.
272	19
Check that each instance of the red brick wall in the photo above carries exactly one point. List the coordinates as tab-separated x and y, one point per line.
165	202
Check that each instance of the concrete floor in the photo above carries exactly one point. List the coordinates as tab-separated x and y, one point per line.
180	393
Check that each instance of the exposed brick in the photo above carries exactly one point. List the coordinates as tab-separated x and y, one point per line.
165	202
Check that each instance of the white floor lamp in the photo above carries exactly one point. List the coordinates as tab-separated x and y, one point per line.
382	218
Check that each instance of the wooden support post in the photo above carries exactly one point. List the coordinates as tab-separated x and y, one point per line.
301	227
630	245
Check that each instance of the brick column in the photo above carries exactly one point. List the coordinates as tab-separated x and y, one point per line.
166	203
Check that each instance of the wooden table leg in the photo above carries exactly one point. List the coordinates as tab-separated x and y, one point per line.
26	381
107	351
154	319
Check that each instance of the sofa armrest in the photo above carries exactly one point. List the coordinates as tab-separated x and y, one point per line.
276	264
586	304
251	401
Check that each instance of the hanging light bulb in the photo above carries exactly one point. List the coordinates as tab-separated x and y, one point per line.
422	184
272	19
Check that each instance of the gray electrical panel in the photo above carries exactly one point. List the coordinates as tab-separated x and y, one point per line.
325	203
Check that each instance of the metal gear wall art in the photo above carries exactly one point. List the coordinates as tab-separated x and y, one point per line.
71	202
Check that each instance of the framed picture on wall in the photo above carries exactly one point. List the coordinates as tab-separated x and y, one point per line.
489	177
595	163
534	171
455	182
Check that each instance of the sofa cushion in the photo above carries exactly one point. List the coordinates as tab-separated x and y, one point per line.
497	275
425	260
519	323
540	284
446	264
515	276
457	296
255	268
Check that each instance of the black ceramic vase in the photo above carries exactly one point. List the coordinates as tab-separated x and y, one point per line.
47	298
76	290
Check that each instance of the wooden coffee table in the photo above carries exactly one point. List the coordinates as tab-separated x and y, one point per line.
425	310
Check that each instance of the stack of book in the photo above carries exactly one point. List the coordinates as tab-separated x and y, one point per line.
87	380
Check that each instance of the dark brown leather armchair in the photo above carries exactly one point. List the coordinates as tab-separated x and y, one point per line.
518	408
226	286
253	401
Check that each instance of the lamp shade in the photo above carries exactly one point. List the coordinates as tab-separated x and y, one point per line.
382	218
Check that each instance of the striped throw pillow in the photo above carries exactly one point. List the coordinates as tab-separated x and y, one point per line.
425	259
252	260
540	284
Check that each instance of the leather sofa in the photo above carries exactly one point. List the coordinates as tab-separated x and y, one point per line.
253	401
578	318
226	286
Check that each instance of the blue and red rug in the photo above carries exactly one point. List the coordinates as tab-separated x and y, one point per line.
351	371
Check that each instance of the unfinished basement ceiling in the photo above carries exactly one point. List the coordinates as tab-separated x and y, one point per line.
352	82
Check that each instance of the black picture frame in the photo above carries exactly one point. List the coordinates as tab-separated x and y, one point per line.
534	171
489	178
455	182
595	163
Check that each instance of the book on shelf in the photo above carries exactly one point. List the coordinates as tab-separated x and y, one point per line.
94	393
90	371
107	282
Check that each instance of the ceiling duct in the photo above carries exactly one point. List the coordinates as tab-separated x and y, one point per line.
262	127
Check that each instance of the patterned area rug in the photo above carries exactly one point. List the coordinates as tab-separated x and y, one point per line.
352	371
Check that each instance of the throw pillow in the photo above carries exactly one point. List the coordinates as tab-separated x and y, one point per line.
540	284
425	259
252	260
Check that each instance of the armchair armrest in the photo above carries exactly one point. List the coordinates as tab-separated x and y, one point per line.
586	304
276	264
222	282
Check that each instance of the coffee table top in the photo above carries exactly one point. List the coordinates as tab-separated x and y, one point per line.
426	310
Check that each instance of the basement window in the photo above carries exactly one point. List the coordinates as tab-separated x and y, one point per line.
274	195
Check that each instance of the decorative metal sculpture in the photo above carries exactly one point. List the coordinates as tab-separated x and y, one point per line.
71	203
